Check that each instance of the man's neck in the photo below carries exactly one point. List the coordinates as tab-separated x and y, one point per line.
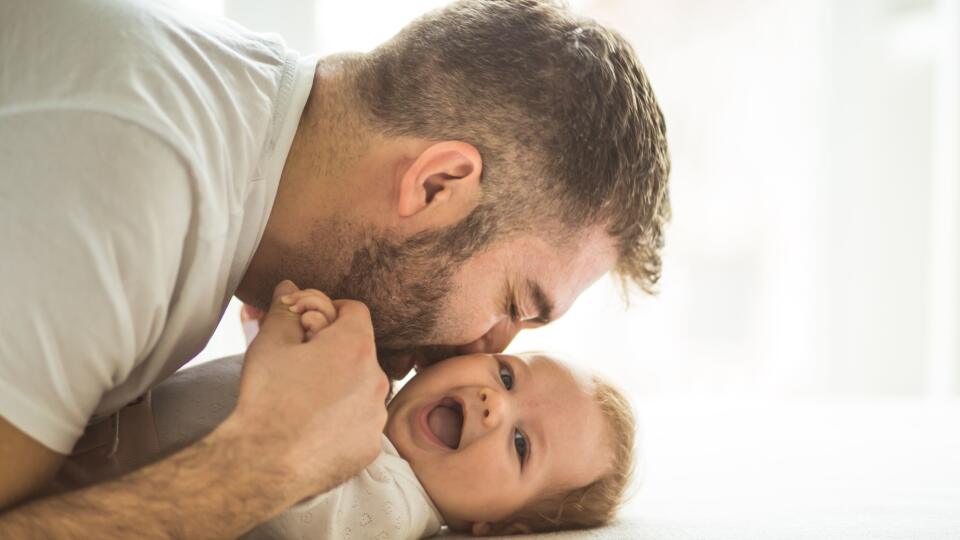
328	142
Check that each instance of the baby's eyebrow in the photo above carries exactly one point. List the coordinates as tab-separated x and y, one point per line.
539	448
537	456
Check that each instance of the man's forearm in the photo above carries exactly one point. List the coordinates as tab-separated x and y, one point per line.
216	488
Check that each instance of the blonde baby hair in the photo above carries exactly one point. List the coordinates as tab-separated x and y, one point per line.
596	503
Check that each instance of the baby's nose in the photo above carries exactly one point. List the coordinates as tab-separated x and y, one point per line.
492	407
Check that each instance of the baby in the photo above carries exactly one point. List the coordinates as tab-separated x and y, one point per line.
487	444
484	444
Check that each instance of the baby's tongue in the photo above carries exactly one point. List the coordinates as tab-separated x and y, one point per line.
445	423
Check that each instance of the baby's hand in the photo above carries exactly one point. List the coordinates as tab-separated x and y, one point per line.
317	310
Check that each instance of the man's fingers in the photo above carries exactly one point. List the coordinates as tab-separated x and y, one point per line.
284	288
281	324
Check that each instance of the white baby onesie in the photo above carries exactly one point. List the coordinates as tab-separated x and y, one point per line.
384	502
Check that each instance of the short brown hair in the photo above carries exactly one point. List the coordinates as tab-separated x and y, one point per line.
558	106
596	503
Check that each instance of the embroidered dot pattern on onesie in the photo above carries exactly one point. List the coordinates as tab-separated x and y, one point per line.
383	502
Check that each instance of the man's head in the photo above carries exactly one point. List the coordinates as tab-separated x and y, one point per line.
514	443
489	162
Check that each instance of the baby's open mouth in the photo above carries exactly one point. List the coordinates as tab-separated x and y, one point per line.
446	421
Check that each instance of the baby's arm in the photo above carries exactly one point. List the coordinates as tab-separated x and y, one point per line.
316	309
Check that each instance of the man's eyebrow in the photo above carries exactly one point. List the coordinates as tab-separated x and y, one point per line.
541	301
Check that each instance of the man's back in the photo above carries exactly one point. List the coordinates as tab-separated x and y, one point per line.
140	151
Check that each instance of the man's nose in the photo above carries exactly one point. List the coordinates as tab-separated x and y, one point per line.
495	340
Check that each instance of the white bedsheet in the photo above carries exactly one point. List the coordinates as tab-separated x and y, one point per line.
803	469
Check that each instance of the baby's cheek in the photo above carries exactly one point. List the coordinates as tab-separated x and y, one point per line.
475	486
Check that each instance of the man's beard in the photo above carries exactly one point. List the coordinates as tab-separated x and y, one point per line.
406	283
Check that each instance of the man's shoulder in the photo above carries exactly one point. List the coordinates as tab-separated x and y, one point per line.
202	82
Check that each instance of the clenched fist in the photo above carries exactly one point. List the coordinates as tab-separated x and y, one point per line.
311	392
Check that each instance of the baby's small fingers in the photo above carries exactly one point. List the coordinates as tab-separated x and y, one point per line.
318	302
313	322
295	296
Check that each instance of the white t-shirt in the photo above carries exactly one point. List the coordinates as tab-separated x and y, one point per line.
141	148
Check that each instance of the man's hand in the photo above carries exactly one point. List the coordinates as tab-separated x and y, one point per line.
315	400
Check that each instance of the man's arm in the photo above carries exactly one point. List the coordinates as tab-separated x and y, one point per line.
217	488
309	415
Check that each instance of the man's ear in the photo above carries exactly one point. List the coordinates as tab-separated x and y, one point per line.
442	185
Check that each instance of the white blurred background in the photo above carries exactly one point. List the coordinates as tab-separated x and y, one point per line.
815	246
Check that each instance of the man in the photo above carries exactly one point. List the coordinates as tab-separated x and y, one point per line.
465	180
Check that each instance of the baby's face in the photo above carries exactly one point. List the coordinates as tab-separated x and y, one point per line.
488	434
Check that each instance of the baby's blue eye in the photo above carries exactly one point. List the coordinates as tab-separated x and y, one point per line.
506	376
520	441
